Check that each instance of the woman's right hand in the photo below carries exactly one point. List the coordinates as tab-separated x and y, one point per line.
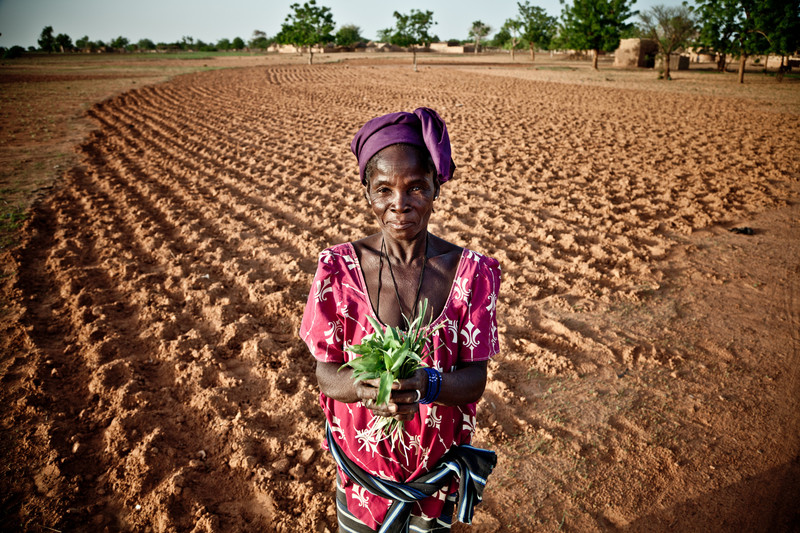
402	404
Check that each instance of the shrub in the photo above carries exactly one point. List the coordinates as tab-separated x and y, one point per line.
13	52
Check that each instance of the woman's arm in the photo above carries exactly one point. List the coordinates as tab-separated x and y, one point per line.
337	384
462	386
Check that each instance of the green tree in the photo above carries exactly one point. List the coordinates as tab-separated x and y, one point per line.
348	35
146	44
778	22
120	43
308	25
14	52
64	42
718	21
538	28
500	38
670	27
47	42
410	30
83	43
259	40
237	43
513	28
745	27
204	46
595	25
478	31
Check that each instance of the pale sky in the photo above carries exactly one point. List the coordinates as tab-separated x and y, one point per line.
21	21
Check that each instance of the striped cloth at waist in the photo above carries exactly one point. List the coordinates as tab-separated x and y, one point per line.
471	465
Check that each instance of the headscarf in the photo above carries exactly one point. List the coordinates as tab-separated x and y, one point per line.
424	127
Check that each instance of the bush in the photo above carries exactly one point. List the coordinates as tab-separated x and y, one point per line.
13	52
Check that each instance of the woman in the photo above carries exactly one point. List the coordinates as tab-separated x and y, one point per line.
403	159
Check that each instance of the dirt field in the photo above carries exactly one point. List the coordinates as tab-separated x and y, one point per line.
649	378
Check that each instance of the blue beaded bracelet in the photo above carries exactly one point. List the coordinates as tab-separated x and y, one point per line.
434	385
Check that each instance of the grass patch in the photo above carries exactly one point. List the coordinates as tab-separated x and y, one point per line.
11	220
554	68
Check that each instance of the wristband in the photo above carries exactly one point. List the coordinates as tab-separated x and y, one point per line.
434	385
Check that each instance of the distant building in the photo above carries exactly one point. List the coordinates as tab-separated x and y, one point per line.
676	62
701	55
633	53
444	48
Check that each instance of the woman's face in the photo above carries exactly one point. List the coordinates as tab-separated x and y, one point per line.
401	190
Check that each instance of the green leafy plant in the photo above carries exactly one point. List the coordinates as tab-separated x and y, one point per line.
391	355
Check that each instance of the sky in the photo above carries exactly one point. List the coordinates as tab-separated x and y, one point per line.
21	21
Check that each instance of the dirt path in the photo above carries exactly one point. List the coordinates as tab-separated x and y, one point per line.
649	376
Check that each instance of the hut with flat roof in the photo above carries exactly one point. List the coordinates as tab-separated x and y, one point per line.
634	53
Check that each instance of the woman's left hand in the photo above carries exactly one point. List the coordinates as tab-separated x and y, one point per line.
402	403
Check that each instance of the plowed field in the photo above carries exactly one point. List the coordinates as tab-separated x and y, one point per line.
649	376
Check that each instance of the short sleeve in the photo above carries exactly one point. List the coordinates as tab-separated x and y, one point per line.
478	336
322	328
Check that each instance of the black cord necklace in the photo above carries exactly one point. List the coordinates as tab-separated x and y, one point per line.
394	282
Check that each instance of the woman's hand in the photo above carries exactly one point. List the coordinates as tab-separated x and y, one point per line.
402	403
459	387
339	385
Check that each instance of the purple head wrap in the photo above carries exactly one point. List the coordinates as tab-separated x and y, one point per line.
424	127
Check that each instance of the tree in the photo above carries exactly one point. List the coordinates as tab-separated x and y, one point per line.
478	31
146	44
348	35
13	53
778	22
718	24
120	43
538	28
259	40
63	42
204	46
595	25
745	27
410	30
224	44
309	25
670	27
512	27
47	42
499	40
83	43
237	43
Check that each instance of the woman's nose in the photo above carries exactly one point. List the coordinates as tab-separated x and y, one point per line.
400	201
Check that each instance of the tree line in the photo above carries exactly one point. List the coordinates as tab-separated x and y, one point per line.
63	43
725	28
738	28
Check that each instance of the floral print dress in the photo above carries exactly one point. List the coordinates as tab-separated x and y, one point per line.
335	316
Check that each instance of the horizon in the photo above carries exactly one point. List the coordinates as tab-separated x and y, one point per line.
24	20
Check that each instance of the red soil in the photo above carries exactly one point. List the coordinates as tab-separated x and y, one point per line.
649	378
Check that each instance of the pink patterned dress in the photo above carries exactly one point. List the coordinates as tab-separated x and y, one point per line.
335	316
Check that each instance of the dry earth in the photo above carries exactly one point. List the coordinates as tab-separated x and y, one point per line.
43	101
649	378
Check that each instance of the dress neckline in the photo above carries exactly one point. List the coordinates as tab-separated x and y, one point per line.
363	282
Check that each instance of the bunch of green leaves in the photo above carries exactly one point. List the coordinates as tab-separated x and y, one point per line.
391	354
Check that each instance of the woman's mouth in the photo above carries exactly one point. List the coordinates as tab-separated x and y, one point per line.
400	224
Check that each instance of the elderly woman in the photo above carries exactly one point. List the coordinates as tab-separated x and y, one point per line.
418	481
